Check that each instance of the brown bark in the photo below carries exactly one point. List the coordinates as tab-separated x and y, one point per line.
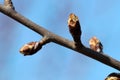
51	37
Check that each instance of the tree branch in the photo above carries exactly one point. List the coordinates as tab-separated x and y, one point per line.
59	40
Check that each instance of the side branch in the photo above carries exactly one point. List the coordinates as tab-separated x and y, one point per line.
59	40
75	29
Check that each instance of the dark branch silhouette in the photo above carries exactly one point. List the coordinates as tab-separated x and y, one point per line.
51	37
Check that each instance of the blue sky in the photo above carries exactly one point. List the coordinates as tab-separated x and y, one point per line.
54	62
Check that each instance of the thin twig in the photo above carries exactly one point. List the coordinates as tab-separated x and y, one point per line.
59	40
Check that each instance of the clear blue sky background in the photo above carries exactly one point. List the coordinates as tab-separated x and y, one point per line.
99	18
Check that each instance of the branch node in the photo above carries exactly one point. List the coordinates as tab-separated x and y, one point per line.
32	47
9	4
75	29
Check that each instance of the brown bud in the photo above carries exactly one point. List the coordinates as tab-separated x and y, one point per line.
113	76
95	44
72	20
75	29
9	4
30	48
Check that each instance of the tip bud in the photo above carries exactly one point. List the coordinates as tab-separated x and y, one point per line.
30	48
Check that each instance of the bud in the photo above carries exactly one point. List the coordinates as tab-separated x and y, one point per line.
95	44
30	48
113	76
75	29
